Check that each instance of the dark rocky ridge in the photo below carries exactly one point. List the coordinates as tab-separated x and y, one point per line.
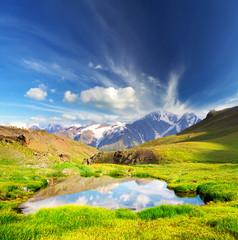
139	156
142	156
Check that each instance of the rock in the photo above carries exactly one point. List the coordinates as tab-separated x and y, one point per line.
95	158
37	178
23	140
25	189
52	181
69	171
132	158
126	157
65	157
86	161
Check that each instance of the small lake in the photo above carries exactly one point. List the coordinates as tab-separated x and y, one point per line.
107	192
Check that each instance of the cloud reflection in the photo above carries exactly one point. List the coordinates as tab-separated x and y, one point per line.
137	194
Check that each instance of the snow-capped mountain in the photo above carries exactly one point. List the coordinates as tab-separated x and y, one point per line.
51	128
92	134
34	127
121	136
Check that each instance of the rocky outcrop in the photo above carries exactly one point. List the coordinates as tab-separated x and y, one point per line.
65	158
23	140
140	156
100	157
133	158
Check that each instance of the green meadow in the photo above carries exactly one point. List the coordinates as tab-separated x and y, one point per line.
203	160
216	183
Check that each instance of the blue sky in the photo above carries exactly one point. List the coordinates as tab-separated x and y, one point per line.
78	61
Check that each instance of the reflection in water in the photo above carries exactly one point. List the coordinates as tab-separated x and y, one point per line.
107	192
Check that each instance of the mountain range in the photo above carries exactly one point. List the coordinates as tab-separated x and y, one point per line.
118	136
212	140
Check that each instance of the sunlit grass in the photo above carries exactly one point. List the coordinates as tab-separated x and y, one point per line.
163	222
208	167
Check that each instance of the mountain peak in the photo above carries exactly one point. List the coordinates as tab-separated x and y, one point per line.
119	135
53	128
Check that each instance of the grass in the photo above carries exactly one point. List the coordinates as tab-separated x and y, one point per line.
165	211
163	222
213	221
23	170
176	149
206	162
216	220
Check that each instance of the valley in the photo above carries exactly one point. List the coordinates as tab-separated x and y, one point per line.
202	159
119	120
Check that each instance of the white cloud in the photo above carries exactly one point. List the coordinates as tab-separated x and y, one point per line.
77	125
68	116
51	100
89	116
141	202
232	99
170	96
90	65
50	68
95	66
52	90
125	197
39	93
81	201
38	119
55	118
70	97
18	124
110	98
229	102
99	66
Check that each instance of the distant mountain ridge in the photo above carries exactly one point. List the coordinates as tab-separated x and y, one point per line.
120	136
152	126
212	140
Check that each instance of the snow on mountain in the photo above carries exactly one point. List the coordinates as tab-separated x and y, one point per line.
151	126
93	133
34	126
121	136
99	130
52	128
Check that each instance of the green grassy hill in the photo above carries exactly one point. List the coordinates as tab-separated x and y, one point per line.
214	140
41	147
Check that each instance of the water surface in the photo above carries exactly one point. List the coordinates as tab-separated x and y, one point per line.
111	193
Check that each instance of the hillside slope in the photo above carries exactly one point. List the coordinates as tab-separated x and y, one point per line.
213	140
40	146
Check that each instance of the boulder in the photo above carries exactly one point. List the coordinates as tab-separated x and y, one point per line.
65	157
93	159
133	158
23	140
